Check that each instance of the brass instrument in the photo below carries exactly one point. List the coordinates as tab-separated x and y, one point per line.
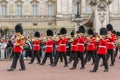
17	39
98	37
108	36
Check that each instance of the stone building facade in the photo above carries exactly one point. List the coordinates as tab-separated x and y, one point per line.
53	14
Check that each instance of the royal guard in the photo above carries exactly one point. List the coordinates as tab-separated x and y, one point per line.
36	48
62	48
80	49
57	42
102	50
18	48
74	41
49	47
111	45
91	46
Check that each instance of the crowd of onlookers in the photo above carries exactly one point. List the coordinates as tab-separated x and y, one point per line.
7	42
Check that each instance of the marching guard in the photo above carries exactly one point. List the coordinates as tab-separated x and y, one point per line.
80	49
36	48
102	50
74	41
49	47
111	45
18	49
91	42
62	48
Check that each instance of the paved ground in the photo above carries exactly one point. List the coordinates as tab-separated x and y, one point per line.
46	72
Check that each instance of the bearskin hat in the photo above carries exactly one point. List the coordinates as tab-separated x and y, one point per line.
18	28
63	31
114	32
118	33
90	32
109	27
72	34
103	31
37	34
81	29
49	32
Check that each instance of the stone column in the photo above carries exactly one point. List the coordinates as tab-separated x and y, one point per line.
59	8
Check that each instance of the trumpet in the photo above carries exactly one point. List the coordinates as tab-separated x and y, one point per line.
108	36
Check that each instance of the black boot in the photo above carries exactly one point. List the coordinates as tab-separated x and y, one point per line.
53	64
65	65
42	63
30	63
72	68
106	70
93	70
82	68
11	69
111	65
22	69
38	62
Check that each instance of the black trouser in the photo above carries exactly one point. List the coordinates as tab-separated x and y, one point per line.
98	56
35	54
78	55
58	55
116	53
15	59
45	58
72	56
28	53
61	59
90	54
110	53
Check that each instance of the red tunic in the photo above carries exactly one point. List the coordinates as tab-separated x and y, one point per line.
91	44
102	47
36	45
49	46
111	40
57	44
18	45
62	45
80	44
74	45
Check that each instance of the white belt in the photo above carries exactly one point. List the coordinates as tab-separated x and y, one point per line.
73	45
102	46
36	45
80	44
110	43
90	44
49	46
62	44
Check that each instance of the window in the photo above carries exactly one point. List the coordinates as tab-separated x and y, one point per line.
19	10
50	10
34	9
88	9
75	9
4	10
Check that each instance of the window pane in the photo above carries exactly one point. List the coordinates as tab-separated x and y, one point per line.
50	10
34	9
88	9
75	9
4	10
19	10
